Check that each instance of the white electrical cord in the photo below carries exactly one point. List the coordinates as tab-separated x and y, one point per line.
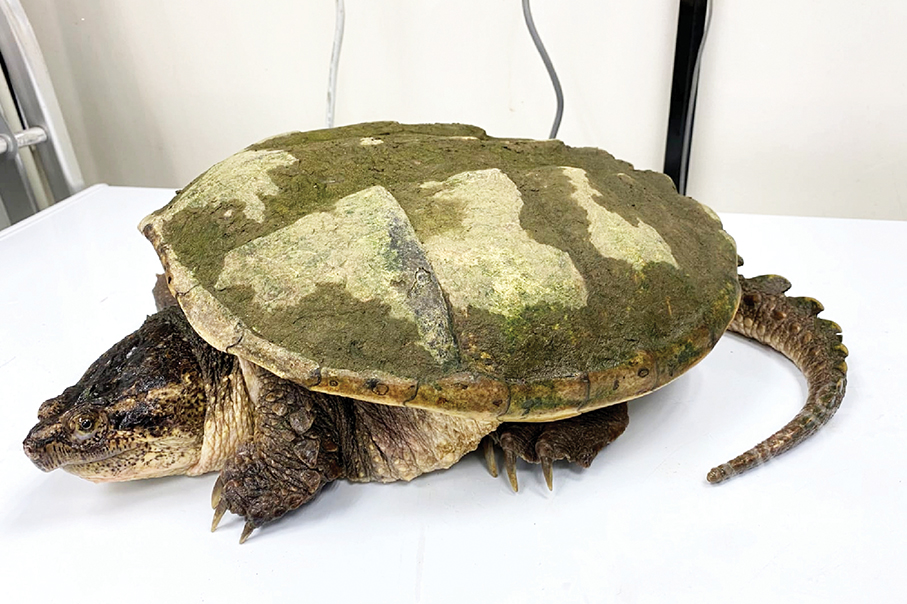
335	61
527	13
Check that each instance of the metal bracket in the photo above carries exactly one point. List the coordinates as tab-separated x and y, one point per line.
38	106
17	194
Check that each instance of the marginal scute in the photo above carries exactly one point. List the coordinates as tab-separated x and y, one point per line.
277	359
467	394
375	387
625	381
550	400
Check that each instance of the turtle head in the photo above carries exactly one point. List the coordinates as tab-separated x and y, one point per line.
138	412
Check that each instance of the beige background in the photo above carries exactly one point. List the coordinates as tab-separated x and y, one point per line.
802	106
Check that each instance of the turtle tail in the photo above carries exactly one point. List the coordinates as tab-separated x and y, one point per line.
790	326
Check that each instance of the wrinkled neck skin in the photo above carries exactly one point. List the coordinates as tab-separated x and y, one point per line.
228	420
158	403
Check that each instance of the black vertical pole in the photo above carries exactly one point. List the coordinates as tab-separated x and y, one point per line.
691	25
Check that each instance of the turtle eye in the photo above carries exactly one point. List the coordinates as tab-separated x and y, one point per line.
84	425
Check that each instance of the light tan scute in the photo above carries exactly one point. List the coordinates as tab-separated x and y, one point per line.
365	244
491	262
242	177
611	234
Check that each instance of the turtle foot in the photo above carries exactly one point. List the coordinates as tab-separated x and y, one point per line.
575	439
259	490
290	457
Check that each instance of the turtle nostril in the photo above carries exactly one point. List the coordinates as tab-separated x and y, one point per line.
41	448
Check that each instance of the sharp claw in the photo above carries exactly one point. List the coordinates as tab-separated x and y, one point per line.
490	461
217	492
246	531
510	466
549	474
218	514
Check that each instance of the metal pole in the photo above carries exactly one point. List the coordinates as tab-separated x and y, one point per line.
692	26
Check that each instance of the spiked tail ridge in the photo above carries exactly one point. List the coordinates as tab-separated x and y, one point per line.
790	326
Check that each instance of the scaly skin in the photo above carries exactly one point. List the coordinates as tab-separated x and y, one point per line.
790	326
303	440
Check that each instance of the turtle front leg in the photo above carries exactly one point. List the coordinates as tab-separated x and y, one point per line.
292	453
576	439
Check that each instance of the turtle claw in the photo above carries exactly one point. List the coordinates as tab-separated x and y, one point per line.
220	508
217	492
548	471
510	466
219	512
490	461
246	531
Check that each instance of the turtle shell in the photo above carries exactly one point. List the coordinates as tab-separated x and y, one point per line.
437	267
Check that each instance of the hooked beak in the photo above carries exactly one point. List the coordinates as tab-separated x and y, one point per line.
42	446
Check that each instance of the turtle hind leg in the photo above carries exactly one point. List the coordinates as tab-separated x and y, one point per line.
575	439
790	326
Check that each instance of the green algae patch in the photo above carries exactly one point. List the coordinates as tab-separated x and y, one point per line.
338	330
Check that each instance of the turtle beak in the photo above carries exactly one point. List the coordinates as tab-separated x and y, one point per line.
42	446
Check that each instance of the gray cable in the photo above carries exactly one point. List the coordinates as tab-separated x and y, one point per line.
527	13
335	61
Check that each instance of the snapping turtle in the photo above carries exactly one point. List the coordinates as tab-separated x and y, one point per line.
372	302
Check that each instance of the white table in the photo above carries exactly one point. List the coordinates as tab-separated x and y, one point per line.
824	523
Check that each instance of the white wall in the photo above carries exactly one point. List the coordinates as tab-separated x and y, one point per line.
155	92
803	109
